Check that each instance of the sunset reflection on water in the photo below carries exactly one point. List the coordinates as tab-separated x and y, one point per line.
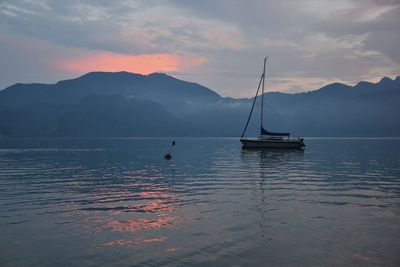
125	242
135	224
154	212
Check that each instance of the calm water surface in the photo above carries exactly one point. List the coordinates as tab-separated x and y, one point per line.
117	202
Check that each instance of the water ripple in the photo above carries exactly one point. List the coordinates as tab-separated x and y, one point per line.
117	202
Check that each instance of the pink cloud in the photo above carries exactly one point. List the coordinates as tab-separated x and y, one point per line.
142	64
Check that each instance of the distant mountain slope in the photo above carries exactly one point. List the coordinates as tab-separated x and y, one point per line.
366	109
109	116
127	104
93	116
157	87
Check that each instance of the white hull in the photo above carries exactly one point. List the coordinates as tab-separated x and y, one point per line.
263	143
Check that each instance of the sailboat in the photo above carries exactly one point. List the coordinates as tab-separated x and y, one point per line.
268	139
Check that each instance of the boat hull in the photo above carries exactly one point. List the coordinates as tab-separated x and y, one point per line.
260	143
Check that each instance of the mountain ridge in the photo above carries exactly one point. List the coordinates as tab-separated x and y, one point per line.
95	74
191	109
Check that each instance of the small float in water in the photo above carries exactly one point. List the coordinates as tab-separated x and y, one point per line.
168	156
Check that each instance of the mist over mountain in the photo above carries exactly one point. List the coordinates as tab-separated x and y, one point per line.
127	104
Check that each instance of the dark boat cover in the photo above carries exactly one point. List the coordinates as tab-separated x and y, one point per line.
265	132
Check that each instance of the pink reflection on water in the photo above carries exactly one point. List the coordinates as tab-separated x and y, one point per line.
127	242
132	225
158	203
154	212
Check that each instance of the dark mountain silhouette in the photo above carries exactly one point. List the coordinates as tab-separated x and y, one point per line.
157	87
115	115
127	104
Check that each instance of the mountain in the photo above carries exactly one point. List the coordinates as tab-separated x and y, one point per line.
115	115
127	104
157	87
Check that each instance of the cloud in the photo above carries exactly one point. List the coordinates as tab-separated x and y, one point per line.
142	64
379	24
307	41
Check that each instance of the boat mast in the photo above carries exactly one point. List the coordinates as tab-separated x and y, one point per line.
252	107
262	94
254	100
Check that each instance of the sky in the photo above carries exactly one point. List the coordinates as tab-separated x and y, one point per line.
219	44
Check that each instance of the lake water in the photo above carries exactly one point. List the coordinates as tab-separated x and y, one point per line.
117	202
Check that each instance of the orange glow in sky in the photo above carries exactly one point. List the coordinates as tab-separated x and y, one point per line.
142	64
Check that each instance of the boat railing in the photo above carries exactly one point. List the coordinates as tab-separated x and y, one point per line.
280	138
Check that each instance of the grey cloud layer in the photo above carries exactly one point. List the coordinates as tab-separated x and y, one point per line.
310	42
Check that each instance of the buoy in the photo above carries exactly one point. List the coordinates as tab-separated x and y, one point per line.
168	155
